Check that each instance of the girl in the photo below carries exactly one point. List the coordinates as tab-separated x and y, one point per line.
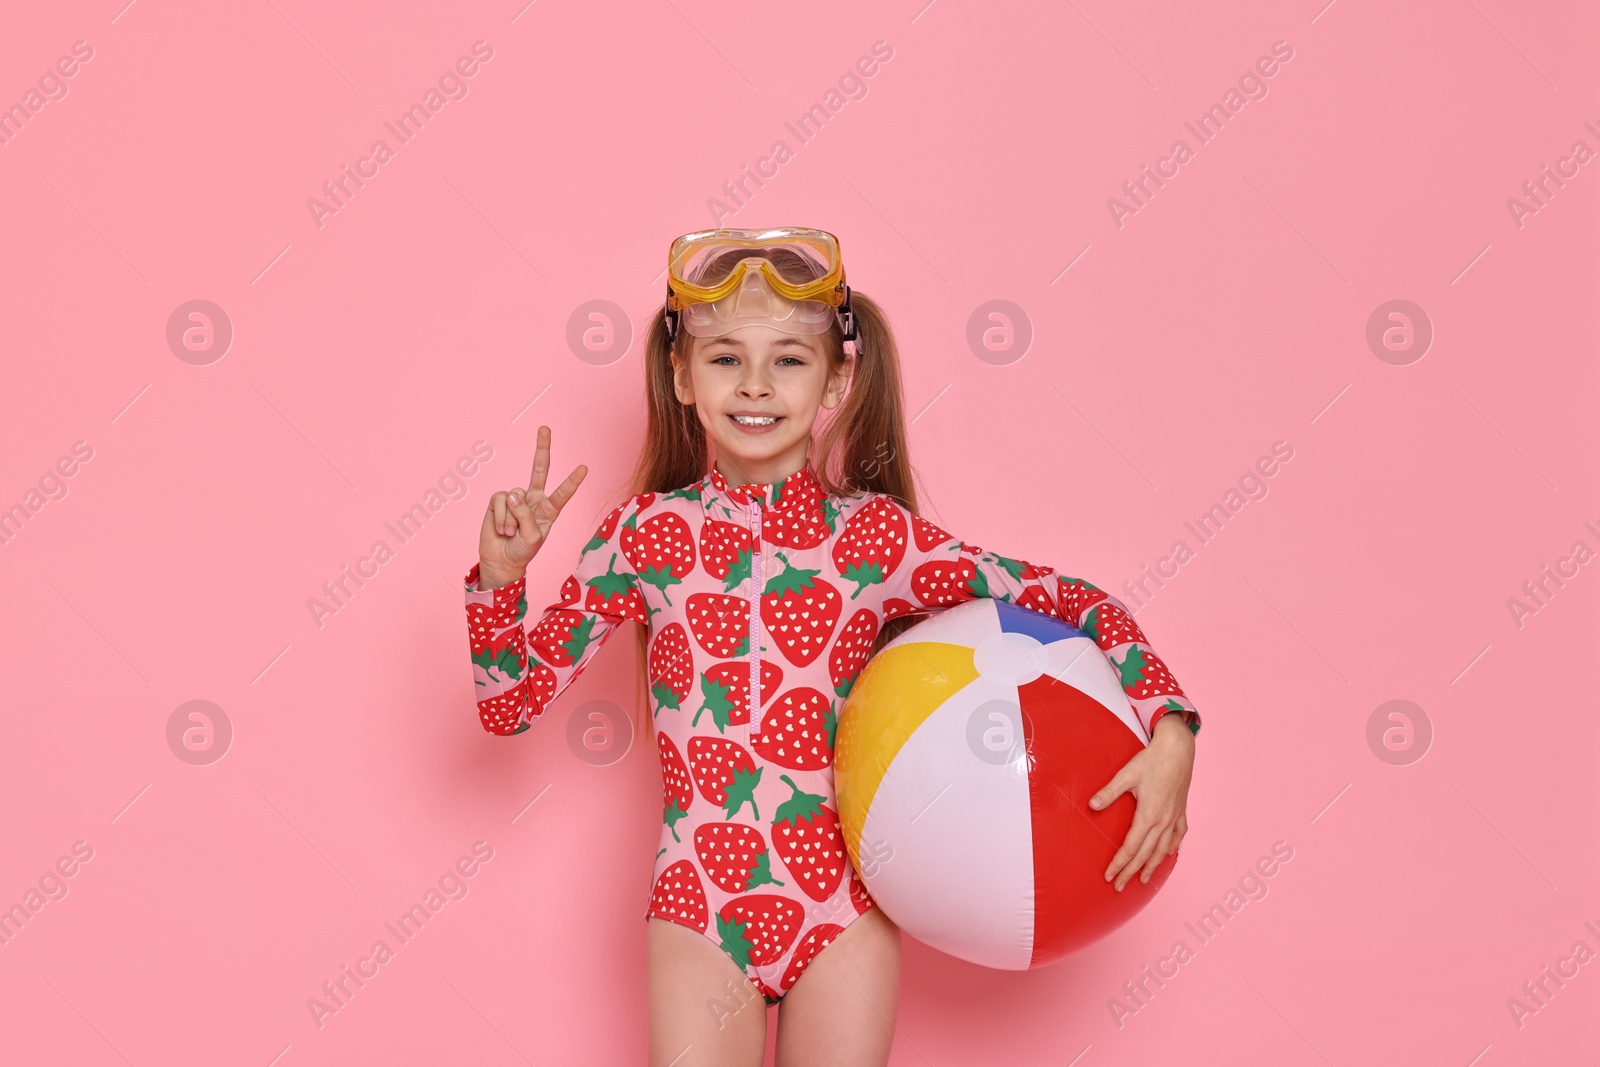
766	564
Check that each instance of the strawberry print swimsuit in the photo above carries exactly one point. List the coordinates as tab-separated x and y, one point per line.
763	602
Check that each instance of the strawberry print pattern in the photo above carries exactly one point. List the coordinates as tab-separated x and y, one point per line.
746	682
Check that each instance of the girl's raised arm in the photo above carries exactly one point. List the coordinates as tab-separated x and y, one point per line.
517	672
940	570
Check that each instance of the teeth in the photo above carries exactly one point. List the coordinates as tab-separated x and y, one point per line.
752	420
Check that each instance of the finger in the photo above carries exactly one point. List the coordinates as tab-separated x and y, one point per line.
1146	846
1157	854
1119	784
564	491
541	461
1129	849
514	499
524	524
497	512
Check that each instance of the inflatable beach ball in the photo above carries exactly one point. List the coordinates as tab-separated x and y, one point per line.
964	761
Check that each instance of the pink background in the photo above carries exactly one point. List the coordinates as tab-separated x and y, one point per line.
432	312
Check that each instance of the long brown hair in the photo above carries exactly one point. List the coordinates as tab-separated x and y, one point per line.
857	447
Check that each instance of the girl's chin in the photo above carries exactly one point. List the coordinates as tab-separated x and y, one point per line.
753	446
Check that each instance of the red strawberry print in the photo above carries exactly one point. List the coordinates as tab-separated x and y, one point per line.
490	650
561	637
720	623
799	529
734	856
851	650
805	835
502	714
608	526
1144	675
724	773
676	790
671	667
662	551
894	607
872	545
571	592
679	895
799	611
725	552
616	594
725	692
1034	598
1110	626
758	928
944	582
629	529
797	730
815	940
928	535
1076	596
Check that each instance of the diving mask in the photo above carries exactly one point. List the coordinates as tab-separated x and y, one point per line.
790	279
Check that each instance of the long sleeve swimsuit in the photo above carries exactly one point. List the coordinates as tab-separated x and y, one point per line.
762	603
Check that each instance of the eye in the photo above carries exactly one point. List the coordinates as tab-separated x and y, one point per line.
796	359
717	360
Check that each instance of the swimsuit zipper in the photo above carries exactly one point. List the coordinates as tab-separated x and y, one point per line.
755	618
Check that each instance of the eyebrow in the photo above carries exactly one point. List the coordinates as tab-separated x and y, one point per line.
730	340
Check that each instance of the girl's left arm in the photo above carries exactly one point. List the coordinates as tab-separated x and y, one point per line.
940	570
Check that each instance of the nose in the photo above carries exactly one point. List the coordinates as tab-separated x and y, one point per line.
753	383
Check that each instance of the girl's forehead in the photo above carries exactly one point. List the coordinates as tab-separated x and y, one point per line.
759	337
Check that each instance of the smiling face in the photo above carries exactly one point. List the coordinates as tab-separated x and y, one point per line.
778	380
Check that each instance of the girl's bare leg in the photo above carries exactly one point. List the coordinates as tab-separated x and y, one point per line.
704	1012
841	1012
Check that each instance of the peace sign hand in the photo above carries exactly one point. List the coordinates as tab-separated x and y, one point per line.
517	522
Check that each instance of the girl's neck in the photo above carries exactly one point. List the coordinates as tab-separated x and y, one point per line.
763	471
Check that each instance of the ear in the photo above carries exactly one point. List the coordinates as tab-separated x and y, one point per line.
834	391
681	383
